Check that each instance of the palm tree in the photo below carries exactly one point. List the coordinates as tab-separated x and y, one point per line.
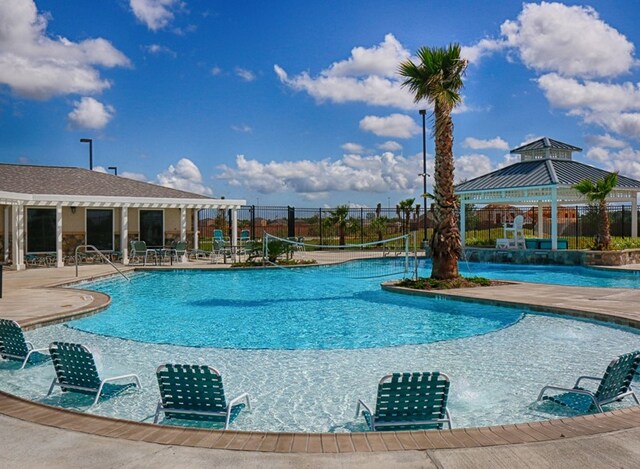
598	192
438	79
339	217
405	207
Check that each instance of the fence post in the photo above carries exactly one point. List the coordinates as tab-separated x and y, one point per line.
622	230
291	222
320	230
361	226
253	221
577	228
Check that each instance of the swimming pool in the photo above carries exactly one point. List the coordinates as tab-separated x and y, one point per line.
497	364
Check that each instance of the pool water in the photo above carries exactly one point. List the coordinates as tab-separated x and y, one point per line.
306	344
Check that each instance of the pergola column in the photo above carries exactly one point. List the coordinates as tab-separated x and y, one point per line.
7	227
234	231
183	228
17	217
124	234
554	219
634	216
196	233
59	258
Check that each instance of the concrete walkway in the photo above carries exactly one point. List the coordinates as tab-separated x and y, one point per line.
594	442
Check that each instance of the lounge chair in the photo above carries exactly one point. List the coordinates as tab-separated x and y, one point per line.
14	346
218	235
177	251
195	392
245	235
613	386
409	401
139	250
76	371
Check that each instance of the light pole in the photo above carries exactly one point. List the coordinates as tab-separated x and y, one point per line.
423	113
90	142
115	170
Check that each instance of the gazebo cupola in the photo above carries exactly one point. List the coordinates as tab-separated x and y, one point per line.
545	149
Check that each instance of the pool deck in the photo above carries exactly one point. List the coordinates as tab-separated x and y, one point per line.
35	435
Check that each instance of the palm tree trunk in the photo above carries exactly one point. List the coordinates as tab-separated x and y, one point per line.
445	242
604	228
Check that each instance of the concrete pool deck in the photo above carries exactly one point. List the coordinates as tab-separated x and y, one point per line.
35	435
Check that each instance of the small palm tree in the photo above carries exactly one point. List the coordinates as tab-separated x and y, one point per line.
598	192
437	78
405	207
339	217
379	226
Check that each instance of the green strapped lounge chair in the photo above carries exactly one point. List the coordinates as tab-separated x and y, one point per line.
195	392
613	386
139	249
76	371
409	401
14	346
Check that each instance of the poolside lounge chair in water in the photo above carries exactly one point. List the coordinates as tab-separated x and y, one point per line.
613	386
409	401
14	346
76	371
195	392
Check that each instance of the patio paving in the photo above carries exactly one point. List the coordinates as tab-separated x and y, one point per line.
38	436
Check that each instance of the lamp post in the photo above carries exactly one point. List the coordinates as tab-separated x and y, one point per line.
115	170
90	142
423	113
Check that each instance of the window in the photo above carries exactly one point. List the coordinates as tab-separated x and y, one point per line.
152	227
100	229
41	229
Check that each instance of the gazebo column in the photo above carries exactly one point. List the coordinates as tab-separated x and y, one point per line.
7	227
554	219
634	216
124	234
196	233
17	252
463	221
59	258
540	220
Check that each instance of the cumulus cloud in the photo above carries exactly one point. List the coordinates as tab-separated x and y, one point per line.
350	147
480	144
185	175
471	166
88	113
157	49
36	66
369	75
625	160
246	75
390	145
394	125
155	14
605	140
135	176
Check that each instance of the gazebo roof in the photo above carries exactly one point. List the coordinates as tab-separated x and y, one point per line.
543	172
545	142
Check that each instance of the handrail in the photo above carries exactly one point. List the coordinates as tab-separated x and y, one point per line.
93	248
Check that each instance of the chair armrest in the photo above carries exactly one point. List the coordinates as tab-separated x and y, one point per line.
117	378
244	396
573	390
593	378
361	403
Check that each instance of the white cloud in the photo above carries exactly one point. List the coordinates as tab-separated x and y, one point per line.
35	66
157	49
135	176
369	75
394	125
215	71
569	40
599	154
242	128
483	48
471	166
314	179
246	75
155	14
350	147
626	160
480	144
390	145
605	140
88	113
185	175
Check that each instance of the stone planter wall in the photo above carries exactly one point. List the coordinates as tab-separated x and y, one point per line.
561	257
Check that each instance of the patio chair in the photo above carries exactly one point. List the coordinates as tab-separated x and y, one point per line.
613	386
177	251
218	235
517	232
13	345
409	401
245	235
139	250
76	371
195	392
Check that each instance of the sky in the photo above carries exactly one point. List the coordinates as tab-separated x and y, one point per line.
300	103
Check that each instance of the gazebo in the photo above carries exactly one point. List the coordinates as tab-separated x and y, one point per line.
544	177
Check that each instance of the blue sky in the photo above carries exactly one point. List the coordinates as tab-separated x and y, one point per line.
299	103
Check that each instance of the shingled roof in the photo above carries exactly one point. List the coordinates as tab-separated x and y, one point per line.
544	172
56	180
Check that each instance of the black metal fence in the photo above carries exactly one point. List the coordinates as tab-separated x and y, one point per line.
577	224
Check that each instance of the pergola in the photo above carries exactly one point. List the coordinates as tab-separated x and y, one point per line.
543	177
